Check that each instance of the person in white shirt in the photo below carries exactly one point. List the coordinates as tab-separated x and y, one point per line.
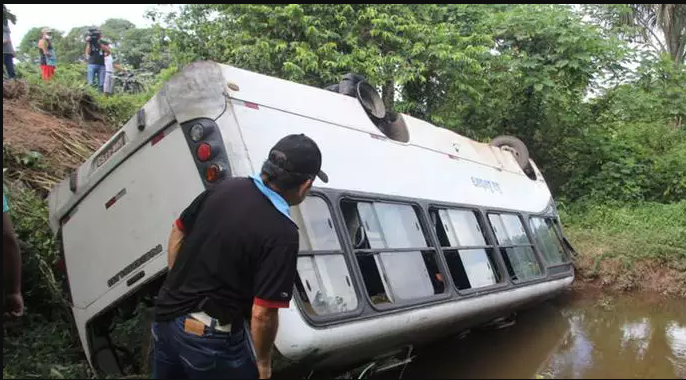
109	73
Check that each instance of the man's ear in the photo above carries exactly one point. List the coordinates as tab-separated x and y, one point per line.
305	187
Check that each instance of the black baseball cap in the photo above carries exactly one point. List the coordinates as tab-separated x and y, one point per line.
298	155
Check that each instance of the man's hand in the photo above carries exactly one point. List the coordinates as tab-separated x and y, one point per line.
14	305
265	369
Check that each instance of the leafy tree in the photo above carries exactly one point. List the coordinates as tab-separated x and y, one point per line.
114	29
138	49
543	63
72	47
315	44
482	70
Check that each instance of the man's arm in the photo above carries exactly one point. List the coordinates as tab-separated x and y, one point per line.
274	282
42	45
105	48
11	257
263	327
88	47
183	226
174	244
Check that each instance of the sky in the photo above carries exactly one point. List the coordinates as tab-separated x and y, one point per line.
63	17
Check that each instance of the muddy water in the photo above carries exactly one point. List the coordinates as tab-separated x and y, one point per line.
572	338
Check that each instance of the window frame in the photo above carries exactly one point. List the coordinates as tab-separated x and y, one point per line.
489	239
343	251
430	246
532	244
556	228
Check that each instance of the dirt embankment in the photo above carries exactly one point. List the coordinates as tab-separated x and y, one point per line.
594	272
62	143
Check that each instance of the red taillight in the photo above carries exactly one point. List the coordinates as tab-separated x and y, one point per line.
214	172
205	142
204	152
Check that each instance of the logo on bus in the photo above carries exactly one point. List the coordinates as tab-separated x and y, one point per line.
134	265
492	186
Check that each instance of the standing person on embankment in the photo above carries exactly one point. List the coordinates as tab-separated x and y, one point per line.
48	61
7	52
95	51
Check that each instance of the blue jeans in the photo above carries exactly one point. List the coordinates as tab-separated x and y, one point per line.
215	355
8	64
100	71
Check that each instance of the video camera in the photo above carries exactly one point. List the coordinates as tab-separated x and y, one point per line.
94	35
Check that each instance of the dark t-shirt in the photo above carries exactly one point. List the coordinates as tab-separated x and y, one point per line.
238	250
97	56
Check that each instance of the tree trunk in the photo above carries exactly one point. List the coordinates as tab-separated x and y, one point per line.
388	94
672	19
668	19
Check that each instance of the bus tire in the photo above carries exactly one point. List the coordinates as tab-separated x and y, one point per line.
520	151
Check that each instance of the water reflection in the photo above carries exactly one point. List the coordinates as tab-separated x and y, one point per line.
637	335
579	338
676	336
573	356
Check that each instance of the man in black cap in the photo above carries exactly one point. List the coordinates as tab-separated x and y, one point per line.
232	256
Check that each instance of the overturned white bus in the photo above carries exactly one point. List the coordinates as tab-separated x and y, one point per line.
420	232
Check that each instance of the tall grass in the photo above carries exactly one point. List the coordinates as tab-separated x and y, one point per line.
647	231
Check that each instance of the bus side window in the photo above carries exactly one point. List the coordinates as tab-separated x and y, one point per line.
515	247
470	258
392	251
323	281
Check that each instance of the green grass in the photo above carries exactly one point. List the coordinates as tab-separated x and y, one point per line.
630	248
648	231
